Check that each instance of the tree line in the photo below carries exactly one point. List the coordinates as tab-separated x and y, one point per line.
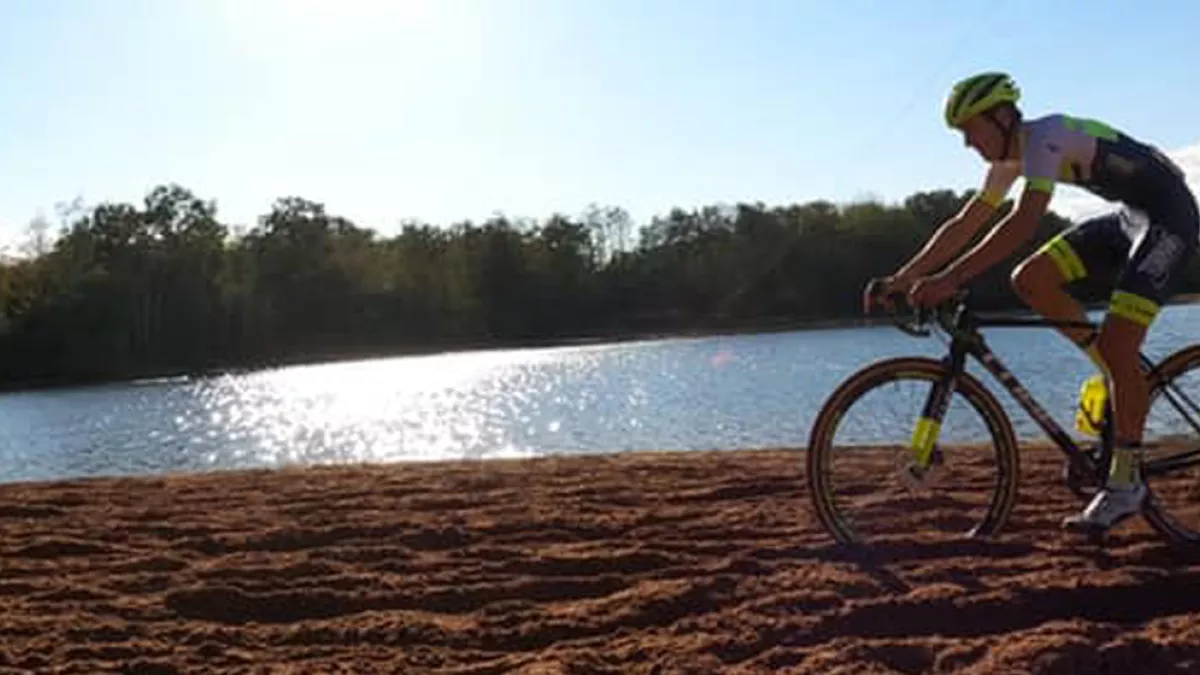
164	287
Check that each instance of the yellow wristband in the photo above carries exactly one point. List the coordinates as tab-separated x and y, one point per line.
990	198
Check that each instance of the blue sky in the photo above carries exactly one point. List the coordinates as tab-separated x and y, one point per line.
451	109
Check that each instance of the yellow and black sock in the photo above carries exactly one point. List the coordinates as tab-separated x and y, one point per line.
1124	471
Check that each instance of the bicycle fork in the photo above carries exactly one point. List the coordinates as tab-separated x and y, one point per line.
923	447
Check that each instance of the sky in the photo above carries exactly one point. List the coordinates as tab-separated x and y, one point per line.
444	110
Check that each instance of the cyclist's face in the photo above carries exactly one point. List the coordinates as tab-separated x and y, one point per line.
984	136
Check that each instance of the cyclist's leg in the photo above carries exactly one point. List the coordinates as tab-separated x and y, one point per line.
1096	247
1157	258
1156	262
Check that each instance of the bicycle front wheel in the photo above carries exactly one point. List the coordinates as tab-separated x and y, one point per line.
860	445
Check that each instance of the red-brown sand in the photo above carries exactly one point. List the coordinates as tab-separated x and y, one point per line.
651	563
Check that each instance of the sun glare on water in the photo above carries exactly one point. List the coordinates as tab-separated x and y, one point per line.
445	406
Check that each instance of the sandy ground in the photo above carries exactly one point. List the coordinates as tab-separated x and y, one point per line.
656	563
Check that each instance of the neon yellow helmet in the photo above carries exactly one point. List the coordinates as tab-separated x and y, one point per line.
975	94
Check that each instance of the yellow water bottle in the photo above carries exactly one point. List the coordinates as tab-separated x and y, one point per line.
1092	396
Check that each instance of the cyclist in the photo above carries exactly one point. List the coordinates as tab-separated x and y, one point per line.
1143	246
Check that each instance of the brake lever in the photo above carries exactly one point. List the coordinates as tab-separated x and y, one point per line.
948	313
916	325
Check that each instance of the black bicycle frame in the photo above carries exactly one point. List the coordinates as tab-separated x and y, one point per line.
967	341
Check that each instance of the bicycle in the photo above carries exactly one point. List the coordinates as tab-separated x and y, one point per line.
922	457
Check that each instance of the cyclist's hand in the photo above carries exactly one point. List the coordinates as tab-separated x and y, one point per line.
879	291
932	291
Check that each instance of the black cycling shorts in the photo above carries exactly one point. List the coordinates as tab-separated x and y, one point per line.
1145	253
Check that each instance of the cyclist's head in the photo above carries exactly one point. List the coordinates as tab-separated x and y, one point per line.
984	108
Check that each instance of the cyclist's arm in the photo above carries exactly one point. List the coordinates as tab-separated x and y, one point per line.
1008	235
954	234
1043	156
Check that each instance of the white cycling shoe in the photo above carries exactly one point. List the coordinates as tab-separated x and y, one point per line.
1109	507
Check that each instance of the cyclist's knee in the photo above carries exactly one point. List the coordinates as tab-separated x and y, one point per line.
1036	274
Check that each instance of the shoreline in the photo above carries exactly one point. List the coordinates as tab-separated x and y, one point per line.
482	463
765	326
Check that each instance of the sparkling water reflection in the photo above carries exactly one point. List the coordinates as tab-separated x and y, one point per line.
685	394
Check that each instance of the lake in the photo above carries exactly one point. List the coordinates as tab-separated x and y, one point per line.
726	392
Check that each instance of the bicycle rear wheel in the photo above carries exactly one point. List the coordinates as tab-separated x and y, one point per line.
858	492
1171	462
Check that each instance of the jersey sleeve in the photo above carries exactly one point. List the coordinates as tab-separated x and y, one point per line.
1043	156
998	181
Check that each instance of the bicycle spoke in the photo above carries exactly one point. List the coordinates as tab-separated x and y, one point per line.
1177	462
1172	390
